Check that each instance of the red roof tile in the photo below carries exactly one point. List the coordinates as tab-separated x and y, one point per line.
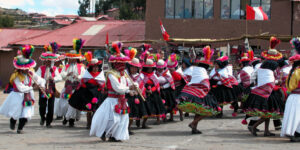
12	35
93	32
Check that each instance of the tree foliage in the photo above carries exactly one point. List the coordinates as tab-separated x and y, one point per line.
83	7
129	9
6	21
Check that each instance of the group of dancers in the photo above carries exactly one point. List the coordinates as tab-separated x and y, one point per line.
150	86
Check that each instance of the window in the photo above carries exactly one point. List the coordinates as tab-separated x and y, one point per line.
169	8
178	9
265	4
236	9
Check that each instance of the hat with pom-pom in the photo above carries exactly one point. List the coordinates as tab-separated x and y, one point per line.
173	61
208	53
244	58
116	55
76	52
272	53
161	64
23	61
91	61
295	42
149	63
135	62
51	52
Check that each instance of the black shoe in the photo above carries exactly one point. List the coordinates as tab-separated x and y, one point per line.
20	131
71	123
131	133
269	134
42	122
253	131
186	115
103	137
278	128
64	122
138	123
48	126
12	124
295	139
59	118
220	115
195	131
145	127
112	139
250	128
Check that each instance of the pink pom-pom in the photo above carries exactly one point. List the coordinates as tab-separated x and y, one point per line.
126	51
219	109
163	116
164	101
234	114
95	100
137	101
244	122
88	106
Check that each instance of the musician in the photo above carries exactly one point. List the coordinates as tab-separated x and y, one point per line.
50	73
111	118
72	74
19	105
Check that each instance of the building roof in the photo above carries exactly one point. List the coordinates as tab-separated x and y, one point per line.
113	9
94	32
67	16
11	35
104	17
63	22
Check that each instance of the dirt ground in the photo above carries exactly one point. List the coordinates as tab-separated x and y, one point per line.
218	134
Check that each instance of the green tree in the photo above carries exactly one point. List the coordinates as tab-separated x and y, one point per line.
6	21
83	7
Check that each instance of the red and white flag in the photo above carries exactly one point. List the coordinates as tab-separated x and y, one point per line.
164	32
256	13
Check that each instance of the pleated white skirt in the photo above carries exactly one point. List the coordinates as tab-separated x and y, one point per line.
106	120
13	106
291	118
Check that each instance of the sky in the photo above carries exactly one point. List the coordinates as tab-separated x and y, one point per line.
47	7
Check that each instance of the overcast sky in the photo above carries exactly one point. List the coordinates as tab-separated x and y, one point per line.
48	7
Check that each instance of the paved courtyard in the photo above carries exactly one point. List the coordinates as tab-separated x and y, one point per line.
218	134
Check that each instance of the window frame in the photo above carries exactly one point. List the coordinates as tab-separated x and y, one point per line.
193	10
230	7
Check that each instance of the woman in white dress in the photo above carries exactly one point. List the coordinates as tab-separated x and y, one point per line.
291	118
111	118
19	103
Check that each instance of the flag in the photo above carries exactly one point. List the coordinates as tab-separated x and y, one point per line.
164	32
256	13
106	41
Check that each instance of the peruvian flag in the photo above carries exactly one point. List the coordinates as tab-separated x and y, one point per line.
164	32
256	13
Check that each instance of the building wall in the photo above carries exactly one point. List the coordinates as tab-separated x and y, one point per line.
6	66
280	23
